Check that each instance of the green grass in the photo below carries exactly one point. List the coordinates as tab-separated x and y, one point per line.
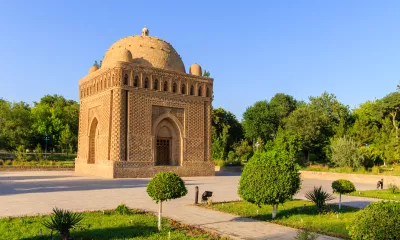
40	163
297	214
376	170
107	225
32	156
381	194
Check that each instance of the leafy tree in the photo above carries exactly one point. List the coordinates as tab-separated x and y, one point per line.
390	104
67	139
342	186
307	125
269	178
225	131
367	123
281	105
52	115
5	113
243	150
258	122
163	187
334	114
317	122
263	119
344	153
17	126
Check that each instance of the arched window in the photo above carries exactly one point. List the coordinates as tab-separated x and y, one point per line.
174	88
200	92
136	82
191	90
208	92
126	79
165	86
156	84
146	83
183	89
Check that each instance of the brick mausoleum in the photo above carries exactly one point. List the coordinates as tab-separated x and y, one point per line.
141	113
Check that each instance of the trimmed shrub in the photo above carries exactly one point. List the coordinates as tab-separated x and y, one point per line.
319	197
122	209
269	178
378	221
342	186
163	187
393	188
306	235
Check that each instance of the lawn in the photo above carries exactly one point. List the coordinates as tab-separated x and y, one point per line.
297	214
105	225
389	170
40	163
381	194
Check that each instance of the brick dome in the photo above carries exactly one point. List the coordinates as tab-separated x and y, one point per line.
146	51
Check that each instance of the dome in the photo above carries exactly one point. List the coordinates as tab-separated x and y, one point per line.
146	51
195	69
94	68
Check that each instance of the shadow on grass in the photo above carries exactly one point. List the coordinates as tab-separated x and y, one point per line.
106	233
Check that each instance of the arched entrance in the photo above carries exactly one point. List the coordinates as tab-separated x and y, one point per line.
167	143
93	141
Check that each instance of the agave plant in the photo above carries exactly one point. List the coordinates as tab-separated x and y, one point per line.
63	221
319	197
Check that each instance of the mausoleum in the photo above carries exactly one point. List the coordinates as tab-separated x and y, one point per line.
141	113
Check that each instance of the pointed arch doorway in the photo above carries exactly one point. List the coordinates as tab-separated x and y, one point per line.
93	134
167	146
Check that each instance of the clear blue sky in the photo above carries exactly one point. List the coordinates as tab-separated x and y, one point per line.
253	49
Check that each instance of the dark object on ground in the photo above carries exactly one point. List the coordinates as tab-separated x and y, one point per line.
379	184
206	195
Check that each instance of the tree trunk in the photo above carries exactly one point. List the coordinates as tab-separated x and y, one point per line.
274	210
159	216
340	200
394	123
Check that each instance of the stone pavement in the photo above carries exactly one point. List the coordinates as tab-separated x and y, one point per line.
30	193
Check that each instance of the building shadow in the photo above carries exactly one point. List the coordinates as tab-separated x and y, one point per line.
18	178
125	232
12	188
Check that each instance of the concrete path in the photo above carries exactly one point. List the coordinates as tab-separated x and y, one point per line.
30	193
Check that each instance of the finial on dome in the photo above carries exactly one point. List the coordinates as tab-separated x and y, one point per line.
145	31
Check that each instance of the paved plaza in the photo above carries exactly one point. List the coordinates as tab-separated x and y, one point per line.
30	193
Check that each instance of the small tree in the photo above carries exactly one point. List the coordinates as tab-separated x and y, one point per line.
342	186
165	186
269	178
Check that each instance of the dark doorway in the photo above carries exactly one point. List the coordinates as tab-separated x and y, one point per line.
163	153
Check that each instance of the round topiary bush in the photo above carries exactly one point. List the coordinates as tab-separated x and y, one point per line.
269	178
342	186
377	221
165	186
